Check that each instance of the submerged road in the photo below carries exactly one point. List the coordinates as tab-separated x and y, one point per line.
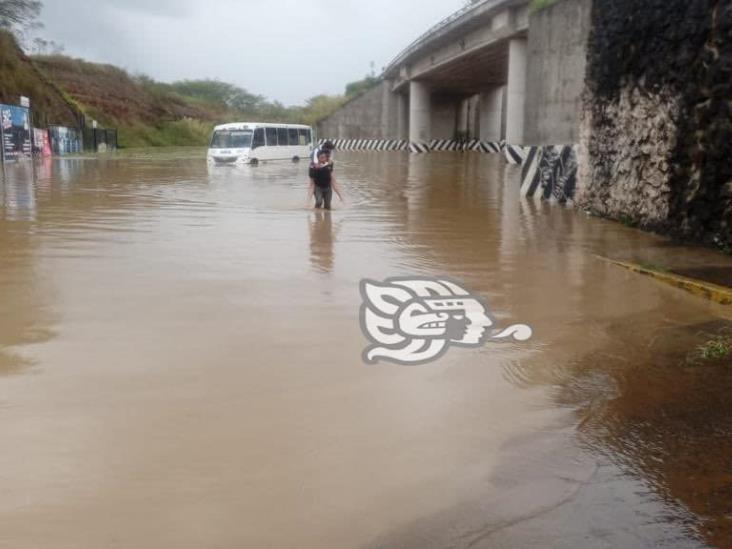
180	365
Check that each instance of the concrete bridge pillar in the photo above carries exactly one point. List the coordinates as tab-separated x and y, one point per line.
420	112
491	114
516	92
468	122
403	116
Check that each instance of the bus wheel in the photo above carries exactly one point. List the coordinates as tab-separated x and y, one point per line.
253	162
296	159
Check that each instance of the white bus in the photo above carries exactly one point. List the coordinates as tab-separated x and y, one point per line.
250	143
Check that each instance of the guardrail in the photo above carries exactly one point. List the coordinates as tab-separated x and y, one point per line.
424	38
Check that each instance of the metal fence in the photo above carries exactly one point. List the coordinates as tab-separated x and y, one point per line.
100	140
19	139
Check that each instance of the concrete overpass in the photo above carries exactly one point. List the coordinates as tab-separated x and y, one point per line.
473	63
492	71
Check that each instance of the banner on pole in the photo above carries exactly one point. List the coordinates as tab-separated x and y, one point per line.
16	132
41	142
65	140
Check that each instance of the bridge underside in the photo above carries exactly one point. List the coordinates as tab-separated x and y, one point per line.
467	78
471	74
478	94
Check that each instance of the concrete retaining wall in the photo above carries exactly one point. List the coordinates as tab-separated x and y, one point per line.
444	116
557	51
657	131
373	115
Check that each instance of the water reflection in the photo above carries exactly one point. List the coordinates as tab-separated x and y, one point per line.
18	192
650	405
26	310
322	237
175	312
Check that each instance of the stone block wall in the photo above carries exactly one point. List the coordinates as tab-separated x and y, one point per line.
656	137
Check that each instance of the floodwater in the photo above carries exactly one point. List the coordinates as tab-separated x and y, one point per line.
180	365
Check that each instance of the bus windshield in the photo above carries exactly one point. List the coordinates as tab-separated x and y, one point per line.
231	139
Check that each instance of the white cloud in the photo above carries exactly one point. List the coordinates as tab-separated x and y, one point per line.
287	50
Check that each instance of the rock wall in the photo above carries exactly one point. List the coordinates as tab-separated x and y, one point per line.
556	58
656	137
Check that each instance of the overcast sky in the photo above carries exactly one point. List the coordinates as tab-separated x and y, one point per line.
288	50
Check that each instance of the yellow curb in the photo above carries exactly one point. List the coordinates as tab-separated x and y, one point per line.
712	292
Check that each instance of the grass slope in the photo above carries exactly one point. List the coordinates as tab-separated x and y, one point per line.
143	115
71	91
20	76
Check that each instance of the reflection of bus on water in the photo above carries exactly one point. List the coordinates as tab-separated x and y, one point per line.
249	143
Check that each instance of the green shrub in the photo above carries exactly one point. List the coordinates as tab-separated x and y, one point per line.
715	349
185	132
537	5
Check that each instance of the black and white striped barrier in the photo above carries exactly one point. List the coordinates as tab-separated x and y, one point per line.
473	145
415	147
441	145
435	145
516	154
550	173
368	144
489	147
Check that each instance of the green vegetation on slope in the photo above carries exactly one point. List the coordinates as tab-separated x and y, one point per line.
19	76
144	116
537	5
151	113
72	92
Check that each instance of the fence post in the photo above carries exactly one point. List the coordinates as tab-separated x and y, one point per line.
2	138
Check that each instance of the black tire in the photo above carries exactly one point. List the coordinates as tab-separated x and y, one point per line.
295	159
253	162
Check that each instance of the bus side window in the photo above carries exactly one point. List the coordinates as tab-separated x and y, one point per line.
304	136
282	136
271	137
294	139
258	139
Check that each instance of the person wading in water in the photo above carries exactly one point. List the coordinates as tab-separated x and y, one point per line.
323	182
326	147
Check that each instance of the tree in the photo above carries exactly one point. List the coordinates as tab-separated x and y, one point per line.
219	93
19	15
357	88
46	47
319	107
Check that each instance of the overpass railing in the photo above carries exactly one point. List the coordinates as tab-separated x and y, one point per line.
427	36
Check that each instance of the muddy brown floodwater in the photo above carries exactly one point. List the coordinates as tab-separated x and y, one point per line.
180	365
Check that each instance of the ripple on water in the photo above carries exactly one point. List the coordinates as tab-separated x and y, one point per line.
185	321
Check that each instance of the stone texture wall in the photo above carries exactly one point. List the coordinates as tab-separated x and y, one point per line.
372	115
556	57
656	144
